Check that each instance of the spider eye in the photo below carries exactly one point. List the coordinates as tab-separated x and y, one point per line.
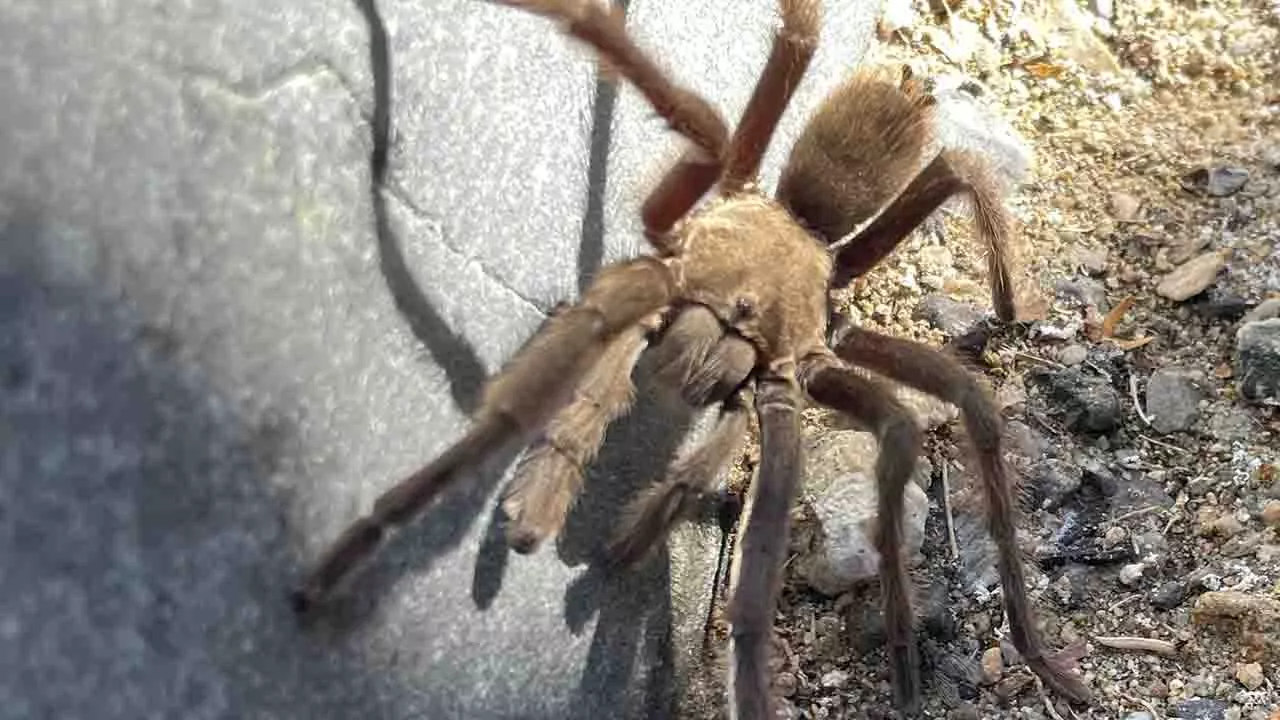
745	307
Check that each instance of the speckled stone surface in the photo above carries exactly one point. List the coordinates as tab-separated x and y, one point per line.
211	359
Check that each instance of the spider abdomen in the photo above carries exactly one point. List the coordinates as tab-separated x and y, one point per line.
760	272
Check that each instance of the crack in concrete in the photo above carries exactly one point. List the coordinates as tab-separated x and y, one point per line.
398	191
256	90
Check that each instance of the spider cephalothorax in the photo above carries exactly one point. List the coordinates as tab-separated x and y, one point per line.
735	304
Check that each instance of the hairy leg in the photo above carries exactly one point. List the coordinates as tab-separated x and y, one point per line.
950	173
549	476
927	370
603	27
517	403
830	383
789	58
696	355
650	517
762	547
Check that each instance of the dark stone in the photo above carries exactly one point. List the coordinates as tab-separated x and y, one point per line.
950	316
1053	481
1221	305
1085	291
1086	403
1169	595
1217	181
1173	398
1201	709
1258	359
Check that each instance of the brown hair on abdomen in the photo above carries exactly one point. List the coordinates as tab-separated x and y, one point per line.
858	151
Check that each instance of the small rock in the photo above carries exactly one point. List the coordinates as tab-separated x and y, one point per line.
1265	310
1218	304
950	316
1158	689
1173	400
1092	260
1086	291
1200	709
1053	482
846	510
1131	574
1072	355
1200	484
1271	513
965	711
1216	182
1258	359
1226	526
1192	277
897	15
834	679
1125	207
964	121
1087	402
1251	619
1081	41
828	643
1231	424
1114	536
1250	675
1169	595
785	683
1140	715
1010	687
1202	685
992	666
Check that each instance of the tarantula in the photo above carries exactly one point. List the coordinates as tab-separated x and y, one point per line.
736	304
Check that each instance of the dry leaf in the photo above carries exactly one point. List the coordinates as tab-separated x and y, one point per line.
1223	371
1132	344
1113	318
1044	70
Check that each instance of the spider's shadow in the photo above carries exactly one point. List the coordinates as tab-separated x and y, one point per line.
634	608
443	526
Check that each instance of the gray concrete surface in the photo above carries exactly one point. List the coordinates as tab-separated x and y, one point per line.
216	349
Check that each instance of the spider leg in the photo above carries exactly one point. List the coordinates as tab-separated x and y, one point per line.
830	383
952	172
762	547
925	369
697	356
604	29
549	476
793	48
650	517
517	403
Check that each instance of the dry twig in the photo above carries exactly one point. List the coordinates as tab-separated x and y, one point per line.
946	508
1150	708
1133	391
1141	644
1164	445
1044	697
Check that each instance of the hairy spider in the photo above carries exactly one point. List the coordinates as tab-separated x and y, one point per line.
735	302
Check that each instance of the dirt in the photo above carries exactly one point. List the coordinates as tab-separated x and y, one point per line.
1148	227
